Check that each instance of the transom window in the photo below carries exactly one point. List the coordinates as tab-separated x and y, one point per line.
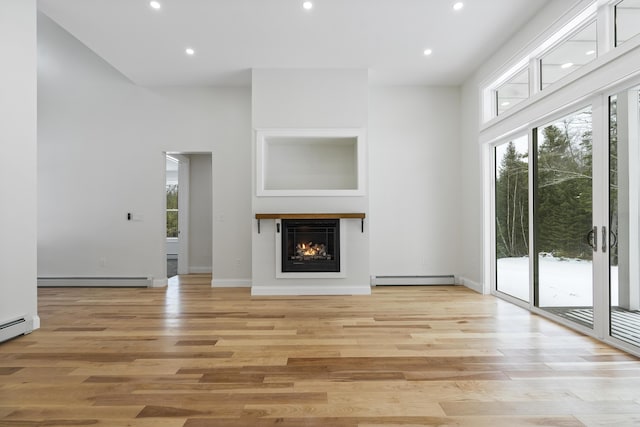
571	47
513	91
573	53
627	17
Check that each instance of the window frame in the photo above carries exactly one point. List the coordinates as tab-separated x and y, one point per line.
575	23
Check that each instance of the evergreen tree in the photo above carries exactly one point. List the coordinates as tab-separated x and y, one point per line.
512	205
613	178
172	216
564	190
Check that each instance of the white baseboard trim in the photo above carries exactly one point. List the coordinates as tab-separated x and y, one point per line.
13	327
85	282
160	283
200	270
231	283
284	290
36	322
17	326
446	279
474	286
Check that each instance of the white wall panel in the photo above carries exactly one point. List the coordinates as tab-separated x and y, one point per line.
18	122
415	180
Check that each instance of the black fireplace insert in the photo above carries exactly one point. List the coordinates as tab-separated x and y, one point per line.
310	245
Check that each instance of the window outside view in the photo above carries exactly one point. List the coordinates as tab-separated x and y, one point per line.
172	196
512	218
563	212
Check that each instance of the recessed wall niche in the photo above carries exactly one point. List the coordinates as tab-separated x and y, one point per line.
307	162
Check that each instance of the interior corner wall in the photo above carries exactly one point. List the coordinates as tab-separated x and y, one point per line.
471	213
18	112
200	213
101	147
414	154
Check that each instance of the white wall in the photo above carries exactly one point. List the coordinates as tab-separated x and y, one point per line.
200	213
470	164
92	120
18	83
309	99
414	154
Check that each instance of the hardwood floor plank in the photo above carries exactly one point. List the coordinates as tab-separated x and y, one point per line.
480	422
620	420
73	412
362	406
93	422
197	342
164	381
537	407
191	355
269	422
153	411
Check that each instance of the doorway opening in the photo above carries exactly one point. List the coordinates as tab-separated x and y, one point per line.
189	213
173	205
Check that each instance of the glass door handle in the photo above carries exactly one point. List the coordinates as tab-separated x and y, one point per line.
604	239
613	239
592	238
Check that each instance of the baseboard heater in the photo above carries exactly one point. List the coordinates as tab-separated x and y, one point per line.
14	328
98	282
446	279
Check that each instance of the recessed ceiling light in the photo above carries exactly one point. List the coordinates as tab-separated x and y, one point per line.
189	51
505	103
590	52
458	6
307	5
567	65
427	52
155	4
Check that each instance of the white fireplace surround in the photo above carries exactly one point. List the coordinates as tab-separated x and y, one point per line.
353	278
310	173
311	275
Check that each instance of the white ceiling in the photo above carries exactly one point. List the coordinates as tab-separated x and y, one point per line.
232	36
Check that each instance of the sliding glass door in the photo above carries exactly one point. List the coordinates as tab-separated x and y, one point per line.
624	216
564	236
567	218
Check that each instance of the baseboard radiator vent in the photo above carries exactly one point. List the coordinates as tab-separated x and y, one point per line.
446	279
14	328
96	282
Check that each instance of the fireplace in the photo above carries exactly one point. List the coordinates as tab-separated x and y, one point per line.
310	245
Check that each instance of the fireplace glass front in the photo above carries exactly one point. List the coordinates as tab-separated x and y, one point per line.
310	245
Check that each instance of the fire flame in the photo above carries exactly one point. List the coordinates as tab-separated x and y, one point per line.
309	249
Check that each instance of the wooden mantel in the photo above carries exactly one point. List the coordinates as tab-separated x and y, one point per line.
354	215
357	215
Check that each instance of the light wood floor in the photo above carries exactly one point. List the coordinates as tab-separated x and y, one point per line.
189	355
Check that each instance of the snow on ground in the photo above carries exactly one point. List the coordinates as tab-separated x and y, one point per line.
563	282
